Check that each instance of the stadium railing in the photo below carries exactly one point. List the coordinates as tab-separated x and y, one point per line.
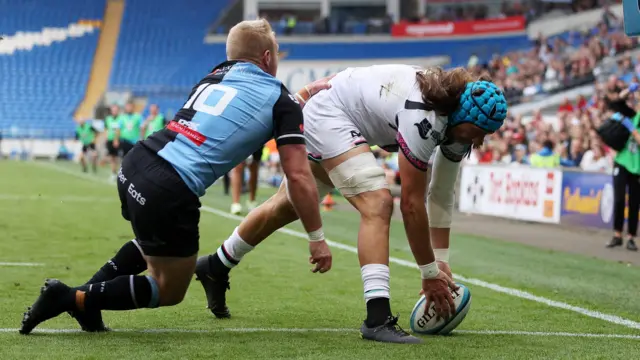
37	143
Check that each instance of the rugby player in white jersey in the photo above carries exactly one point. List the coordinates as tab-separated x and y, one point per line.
399	108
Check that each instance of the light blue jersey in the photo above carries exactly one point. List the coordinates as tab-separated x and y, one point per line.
229	115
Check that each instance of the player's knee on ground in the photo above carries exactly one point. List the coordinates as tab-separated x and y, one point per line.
172	277
171	293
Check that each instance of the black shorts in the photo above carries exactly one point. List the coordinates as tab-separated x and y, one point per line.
86	148
164	213
125	147
111	149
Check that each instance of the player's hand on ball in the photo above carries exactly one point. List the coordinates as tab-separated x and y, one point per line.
320	256
444	267
436	290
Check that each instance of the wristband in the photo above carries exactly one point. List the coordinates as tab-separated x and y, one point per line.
300	99
317	235
441	255
308	91
429	271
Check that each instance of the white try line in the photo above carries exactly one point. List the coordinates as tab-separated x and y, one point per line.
63	198
20	264
328	330
495	287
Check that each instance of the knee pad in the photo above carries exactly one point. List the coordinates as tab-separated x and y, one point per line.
323	189
358	174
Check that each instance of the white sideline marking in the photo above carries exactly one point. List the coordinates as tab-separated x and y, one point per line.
20	264
495	287
69	198
328	330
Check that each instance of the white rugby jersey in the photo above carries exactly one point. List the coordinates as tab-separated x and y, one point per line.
385	103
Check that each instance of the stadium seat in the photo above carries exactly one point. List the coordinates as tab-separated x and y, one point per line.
45	62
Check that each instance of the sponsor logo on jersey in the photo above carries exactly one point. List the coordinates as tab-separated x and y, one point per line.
121	176
424	128
137	195
187	131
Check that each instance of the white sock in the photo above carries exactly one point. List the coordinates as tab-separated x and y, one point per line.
233	250
376	281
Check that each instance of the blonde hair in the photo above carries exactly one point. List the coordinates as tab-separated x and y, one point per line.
248	40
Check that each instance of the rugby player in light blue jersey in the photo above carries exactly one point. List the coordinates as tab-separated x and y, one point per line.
230	114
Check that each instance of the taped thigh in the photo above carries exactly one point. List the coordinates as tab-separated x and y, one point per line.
358	174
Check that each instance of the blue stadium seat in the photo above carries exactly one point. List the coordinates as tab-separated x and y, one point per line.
42	87
160	44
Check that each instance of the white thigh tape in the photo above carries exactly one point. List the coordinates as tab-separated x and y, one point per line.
358	174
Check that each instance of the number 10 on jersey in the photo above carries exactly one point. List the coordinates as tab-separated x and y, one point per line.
202	94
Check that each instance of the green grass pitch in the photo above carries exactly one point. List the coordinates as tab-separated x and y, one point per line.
52	215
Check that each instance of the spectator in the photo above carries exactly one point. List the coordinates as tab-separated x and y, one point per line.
594	160
565	106
545	158
576	150
520	155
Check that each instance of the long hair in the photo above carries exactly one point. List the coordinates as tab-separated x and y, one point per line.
441	90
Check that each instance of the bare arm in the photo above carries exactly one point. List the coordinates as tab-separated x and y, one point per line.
414	210
302	185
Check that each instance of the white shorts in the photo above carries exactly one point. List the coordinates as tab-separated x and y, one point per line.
328	130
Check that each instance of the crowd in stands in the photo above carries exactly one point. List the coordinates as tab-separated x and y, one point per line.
372	20
555	64
531	9
570	136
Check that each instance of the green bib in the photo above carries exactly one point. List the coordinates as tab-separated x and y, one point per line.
629	157
111	124
545	161
86	134
130	127
156	124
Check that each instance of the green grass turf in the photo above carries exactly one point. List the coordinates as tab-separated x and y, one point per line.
273	288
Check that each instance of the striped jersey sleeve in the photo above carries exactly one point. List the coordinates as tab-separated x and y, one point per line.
288	120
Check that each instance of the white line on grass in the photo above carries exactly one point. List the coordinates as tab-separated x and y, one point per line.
19	264
495	287
64	198
329	330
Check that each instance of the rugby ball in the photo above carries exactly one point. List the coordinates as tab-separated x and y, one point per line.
426	323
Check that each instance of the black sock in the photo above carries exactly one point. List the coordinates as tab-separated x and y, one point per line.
128	261
226	183
217	267
378	311
122	293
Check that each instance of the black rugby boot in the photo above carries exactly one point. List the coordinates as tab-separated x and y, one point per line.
389	332
55	298
215	287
